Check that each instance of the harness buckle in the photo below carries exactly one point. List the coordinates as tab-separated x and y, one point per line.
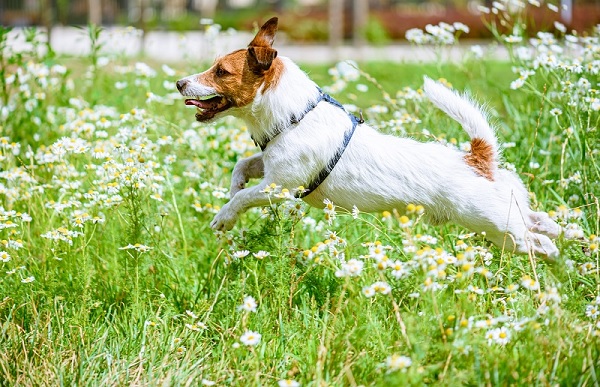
361	119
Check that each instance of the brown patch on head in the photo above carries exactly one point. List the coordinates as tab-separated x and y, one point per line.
481	158
231	78
239	75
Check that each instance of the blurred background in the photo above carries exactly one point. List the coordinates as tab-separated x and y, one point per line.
333	23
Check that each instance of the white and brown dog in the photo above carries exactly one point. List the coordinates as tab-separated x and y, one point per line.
308	139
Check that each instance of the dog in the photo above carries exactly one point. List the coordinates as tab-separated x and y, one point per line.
309	140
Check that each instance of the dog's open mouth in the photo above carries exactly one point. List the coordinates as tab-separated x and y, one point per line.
208	106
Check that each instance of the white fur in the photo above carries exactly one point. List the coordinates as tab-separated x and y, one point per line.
275	107
381	172
463	109
195	89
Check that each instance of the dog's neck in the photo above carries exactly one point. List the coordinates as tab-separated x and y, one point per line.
280	103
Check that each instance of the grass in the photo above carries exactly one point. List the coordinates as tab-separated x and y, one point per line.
113	276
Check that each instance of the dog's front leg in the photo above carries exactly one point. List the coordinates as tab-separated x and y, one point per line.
240	203
246	169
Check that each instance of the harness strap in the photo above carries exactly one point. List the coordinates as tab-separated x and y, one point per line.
296	119
293	121
316	182
320	178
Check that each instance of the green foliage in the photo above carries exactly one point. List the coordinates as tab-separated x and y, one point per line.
238	18
375	32
309	30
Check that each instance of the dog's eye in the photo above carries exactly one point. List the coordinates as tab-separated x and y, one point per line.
220	72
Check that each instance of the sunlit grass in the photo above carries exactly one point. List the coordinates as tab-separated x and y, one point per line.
111	274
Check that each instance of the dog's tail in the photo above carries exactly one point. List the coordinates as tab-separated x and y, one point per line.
484	145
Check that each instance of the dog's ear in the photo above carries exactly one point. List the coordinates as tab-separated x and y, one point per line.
260	51
266	35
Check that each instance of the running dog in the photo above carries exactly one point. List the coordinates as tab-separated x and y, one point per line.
309	140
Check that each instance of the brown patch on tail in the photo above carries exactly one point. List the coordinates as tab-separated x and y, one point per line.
481	158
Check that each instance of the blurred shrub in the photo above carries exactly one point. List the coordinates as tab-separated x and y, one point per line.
375	32
308	30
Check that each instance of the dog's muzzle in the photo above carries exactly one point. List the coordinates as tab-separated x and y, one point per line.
207	106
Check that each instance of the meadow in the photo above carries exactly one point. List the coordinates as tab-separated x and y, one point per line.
111	275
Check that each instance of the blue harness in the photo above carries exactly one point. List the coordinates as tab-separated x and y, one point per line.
317	180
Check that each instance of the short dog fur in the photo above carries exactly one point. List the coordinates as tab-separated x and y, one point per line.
376	172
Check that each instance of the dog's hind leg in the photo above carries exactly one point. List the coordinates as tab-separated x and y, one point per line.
246	169
515	232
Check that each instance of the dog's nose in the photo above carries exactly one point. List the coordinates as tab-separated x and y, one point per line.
181	84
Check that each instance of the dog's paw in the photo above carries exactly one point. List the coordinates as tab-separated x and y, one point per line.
543	224
543	246
224	220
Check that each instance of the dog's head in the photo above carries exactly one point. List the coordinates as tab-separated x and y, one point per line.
233	80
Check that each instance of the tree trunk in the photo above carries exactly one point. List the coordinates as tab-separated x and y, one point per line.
336	22
95	12
360	20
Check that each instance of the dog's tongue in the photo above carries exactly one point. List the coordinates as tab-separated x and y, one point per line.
197	103
207	104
